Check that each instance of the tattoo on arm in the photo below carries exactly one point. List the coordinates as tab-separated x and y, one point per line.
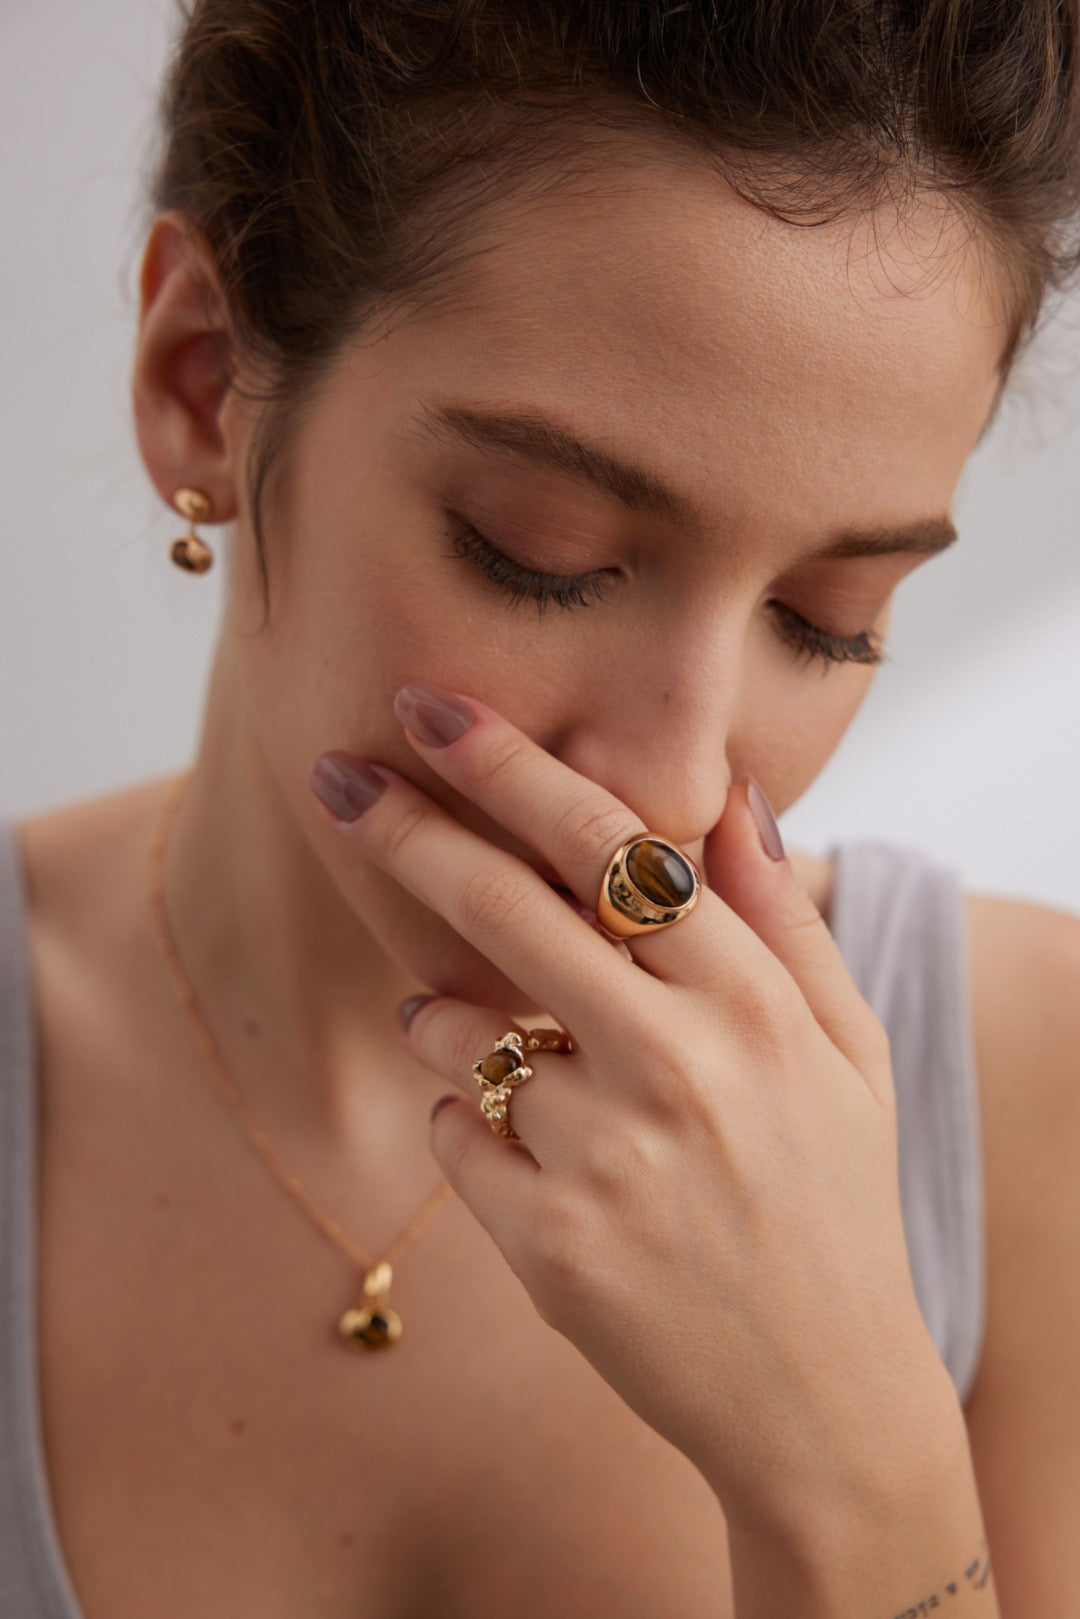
975	1577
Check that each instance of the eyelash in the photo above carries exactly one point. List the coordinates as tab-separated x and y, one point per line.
585	589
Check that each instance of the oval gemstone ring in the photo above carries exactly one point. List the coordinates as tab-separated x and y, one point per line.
649	883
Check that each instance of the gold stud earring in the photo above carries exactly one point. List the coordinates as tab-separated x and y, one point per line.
189	551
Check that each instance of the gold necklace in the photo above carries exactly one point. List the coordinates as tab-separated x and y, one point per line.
371	1324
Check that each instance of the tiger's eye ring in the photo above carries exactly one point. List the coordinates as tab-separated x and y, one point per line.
505	1067
649	884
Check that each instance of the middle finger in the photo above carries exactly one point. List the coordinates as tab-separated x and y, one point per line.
578	825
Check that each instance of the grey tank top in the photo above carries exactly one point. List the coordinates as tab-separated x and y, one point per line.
898	919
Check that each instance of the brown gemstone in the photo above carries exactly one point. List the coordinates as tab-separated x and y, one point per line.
370	1328
659	873
495	1068
376	1332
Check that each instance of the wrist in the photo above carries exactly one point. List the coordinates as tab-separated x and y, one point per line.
884	1540
876	1452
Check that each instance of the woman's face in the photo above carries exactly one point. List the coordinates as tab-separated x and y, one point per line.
747	392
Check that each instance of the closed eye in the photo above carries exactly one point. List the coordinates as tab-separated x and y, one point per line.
586	589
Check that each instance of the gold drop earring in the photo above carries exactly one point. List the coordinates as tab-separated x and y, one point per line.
189	551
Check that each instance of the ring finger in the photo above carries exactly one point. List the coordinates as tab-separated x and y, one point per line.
449	1036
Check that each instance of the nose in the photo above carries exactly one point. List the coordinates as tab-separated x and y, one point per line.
654	733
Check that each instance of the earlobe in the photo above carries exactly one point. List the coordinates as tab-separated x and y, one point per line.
182	375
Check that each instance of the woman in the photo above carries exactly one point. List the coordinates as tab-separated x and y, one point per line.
681	324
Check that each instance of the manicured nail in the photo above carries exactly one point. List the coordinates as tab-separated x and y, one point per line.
347	786
435	716
771	840
408	1009
442	1102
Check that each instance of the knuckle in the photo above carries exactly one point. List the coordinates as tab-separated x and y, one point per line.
559	1246
404	829
592	829
676	1078
490	897
876	1036
621	1160
502	753
685	1094
764	1008
797	912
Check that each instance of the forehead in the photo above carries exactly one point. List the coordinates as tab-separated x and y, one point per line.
818	366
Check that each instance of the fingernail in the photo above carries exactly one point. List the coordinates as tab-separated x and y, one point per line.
347	786
442	1102
435	716
771	840
408	1009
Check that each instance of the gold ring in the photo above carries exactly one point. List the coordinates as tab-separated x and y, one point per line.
505	1067
649	883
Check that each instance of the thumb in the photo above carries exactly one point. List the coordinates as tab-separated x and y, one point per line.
745	863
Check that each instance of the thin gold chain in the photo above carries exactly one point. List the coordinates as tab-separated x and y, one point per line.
256	1134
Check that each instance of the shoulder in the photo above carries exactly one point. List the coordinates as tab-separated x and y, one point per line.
1025	1002
1025	971
82	869
1023	1413
1025	1005
75	856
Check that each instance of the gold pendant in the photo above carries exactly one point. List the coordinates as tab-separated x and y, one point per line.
372	1325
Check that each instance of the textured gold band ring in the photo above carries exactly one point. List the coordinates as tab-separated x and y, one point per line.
649	884
504	1068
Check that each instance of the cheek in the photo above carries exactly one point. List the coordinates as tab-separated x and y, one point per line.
800	727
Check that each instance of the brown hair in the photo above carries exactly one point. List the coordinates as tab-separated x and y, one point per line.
332	152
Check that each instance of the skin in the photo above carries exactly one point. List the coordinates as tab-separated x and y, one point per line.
791	384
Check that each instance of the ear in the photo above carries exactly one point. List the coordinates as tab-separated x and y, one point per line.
185	420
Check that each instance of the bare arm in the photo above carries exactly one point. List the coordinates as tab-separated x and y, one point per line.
997	1526
895	1556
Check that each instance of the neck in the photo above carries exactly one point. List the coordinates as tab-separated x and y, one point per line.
300	998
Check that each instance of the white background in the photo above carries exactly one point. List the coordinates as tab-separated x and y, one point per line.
966	747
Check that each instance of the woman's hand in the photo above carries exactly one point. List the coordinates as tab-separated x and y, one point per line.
704	1198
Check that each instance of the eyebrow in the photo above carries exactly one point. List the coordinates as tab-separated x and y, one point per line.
541	439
